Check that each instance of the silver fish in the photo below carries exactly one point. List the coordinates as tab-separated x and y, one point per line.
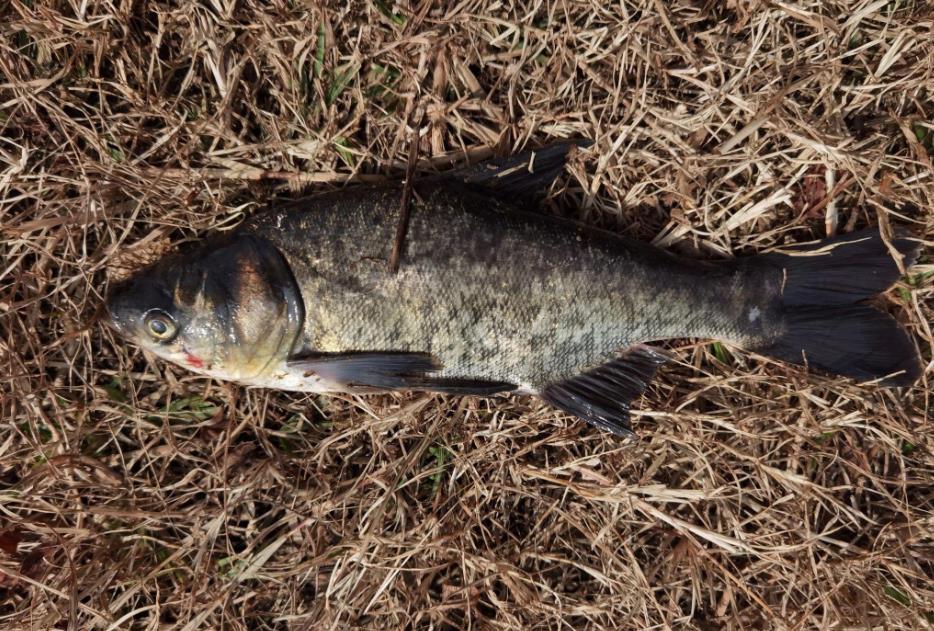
491	297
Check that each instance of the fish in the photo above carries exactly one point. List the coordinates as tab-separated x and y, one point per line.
492	295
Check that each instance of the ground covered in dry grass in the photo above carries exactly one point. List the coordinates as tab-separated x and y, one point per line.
135	495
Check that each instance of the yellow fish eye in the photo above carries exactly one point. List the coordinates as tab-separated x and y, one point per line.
160	325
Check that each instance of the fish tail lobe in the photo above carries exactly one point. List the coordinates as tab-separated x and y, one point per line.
825	322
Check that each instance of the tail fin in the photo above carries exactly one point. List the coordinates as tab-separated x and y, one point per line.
523	175
824	324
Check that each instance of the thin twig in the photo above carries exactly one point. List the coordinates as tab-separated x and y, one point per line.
405	207
252	174
841	186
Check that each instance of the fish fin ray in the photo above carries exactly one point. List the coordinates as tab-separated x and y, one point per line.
521	176
841	270
389	370
603	396
857	341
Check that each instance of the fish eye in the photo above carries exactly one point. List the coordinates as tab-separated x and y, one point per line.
160	325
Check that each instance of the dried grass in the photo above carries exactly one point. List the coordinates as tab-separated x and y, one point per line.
135	495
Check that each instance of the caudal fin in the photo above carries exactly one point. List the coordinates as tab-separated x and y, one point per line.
825	324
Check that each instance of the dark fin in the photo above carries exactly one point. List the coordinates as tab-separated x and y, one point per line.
841	270
390	371
602	396
855	341
450	385
521	176
825	328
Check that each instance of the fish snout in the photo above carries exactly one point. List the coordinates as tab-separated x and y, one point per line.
119	309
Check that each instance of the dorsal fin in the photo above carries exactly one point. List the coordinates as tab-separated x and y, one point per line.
603	396
522	176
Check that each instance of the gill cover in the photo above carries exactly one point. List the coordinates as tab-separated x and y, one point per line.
230	308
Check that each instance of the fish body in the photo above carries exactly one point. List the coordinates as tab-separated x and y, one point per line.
493	298
494	292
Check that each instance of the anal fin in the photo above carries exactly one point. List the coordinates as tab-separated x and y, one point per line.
603	396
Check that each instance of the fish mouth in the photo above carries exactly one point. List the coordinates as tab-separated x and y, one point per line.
110	319
121	312
112	312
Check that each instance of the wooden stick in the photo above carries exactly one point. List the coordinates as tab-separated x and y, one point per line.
405	208
839	188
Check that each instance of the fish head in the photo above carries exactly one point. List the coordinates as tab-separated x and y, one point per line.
230	309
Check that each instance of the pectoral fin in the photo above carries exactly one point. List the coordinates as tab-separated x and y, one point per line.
602	396
388	371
